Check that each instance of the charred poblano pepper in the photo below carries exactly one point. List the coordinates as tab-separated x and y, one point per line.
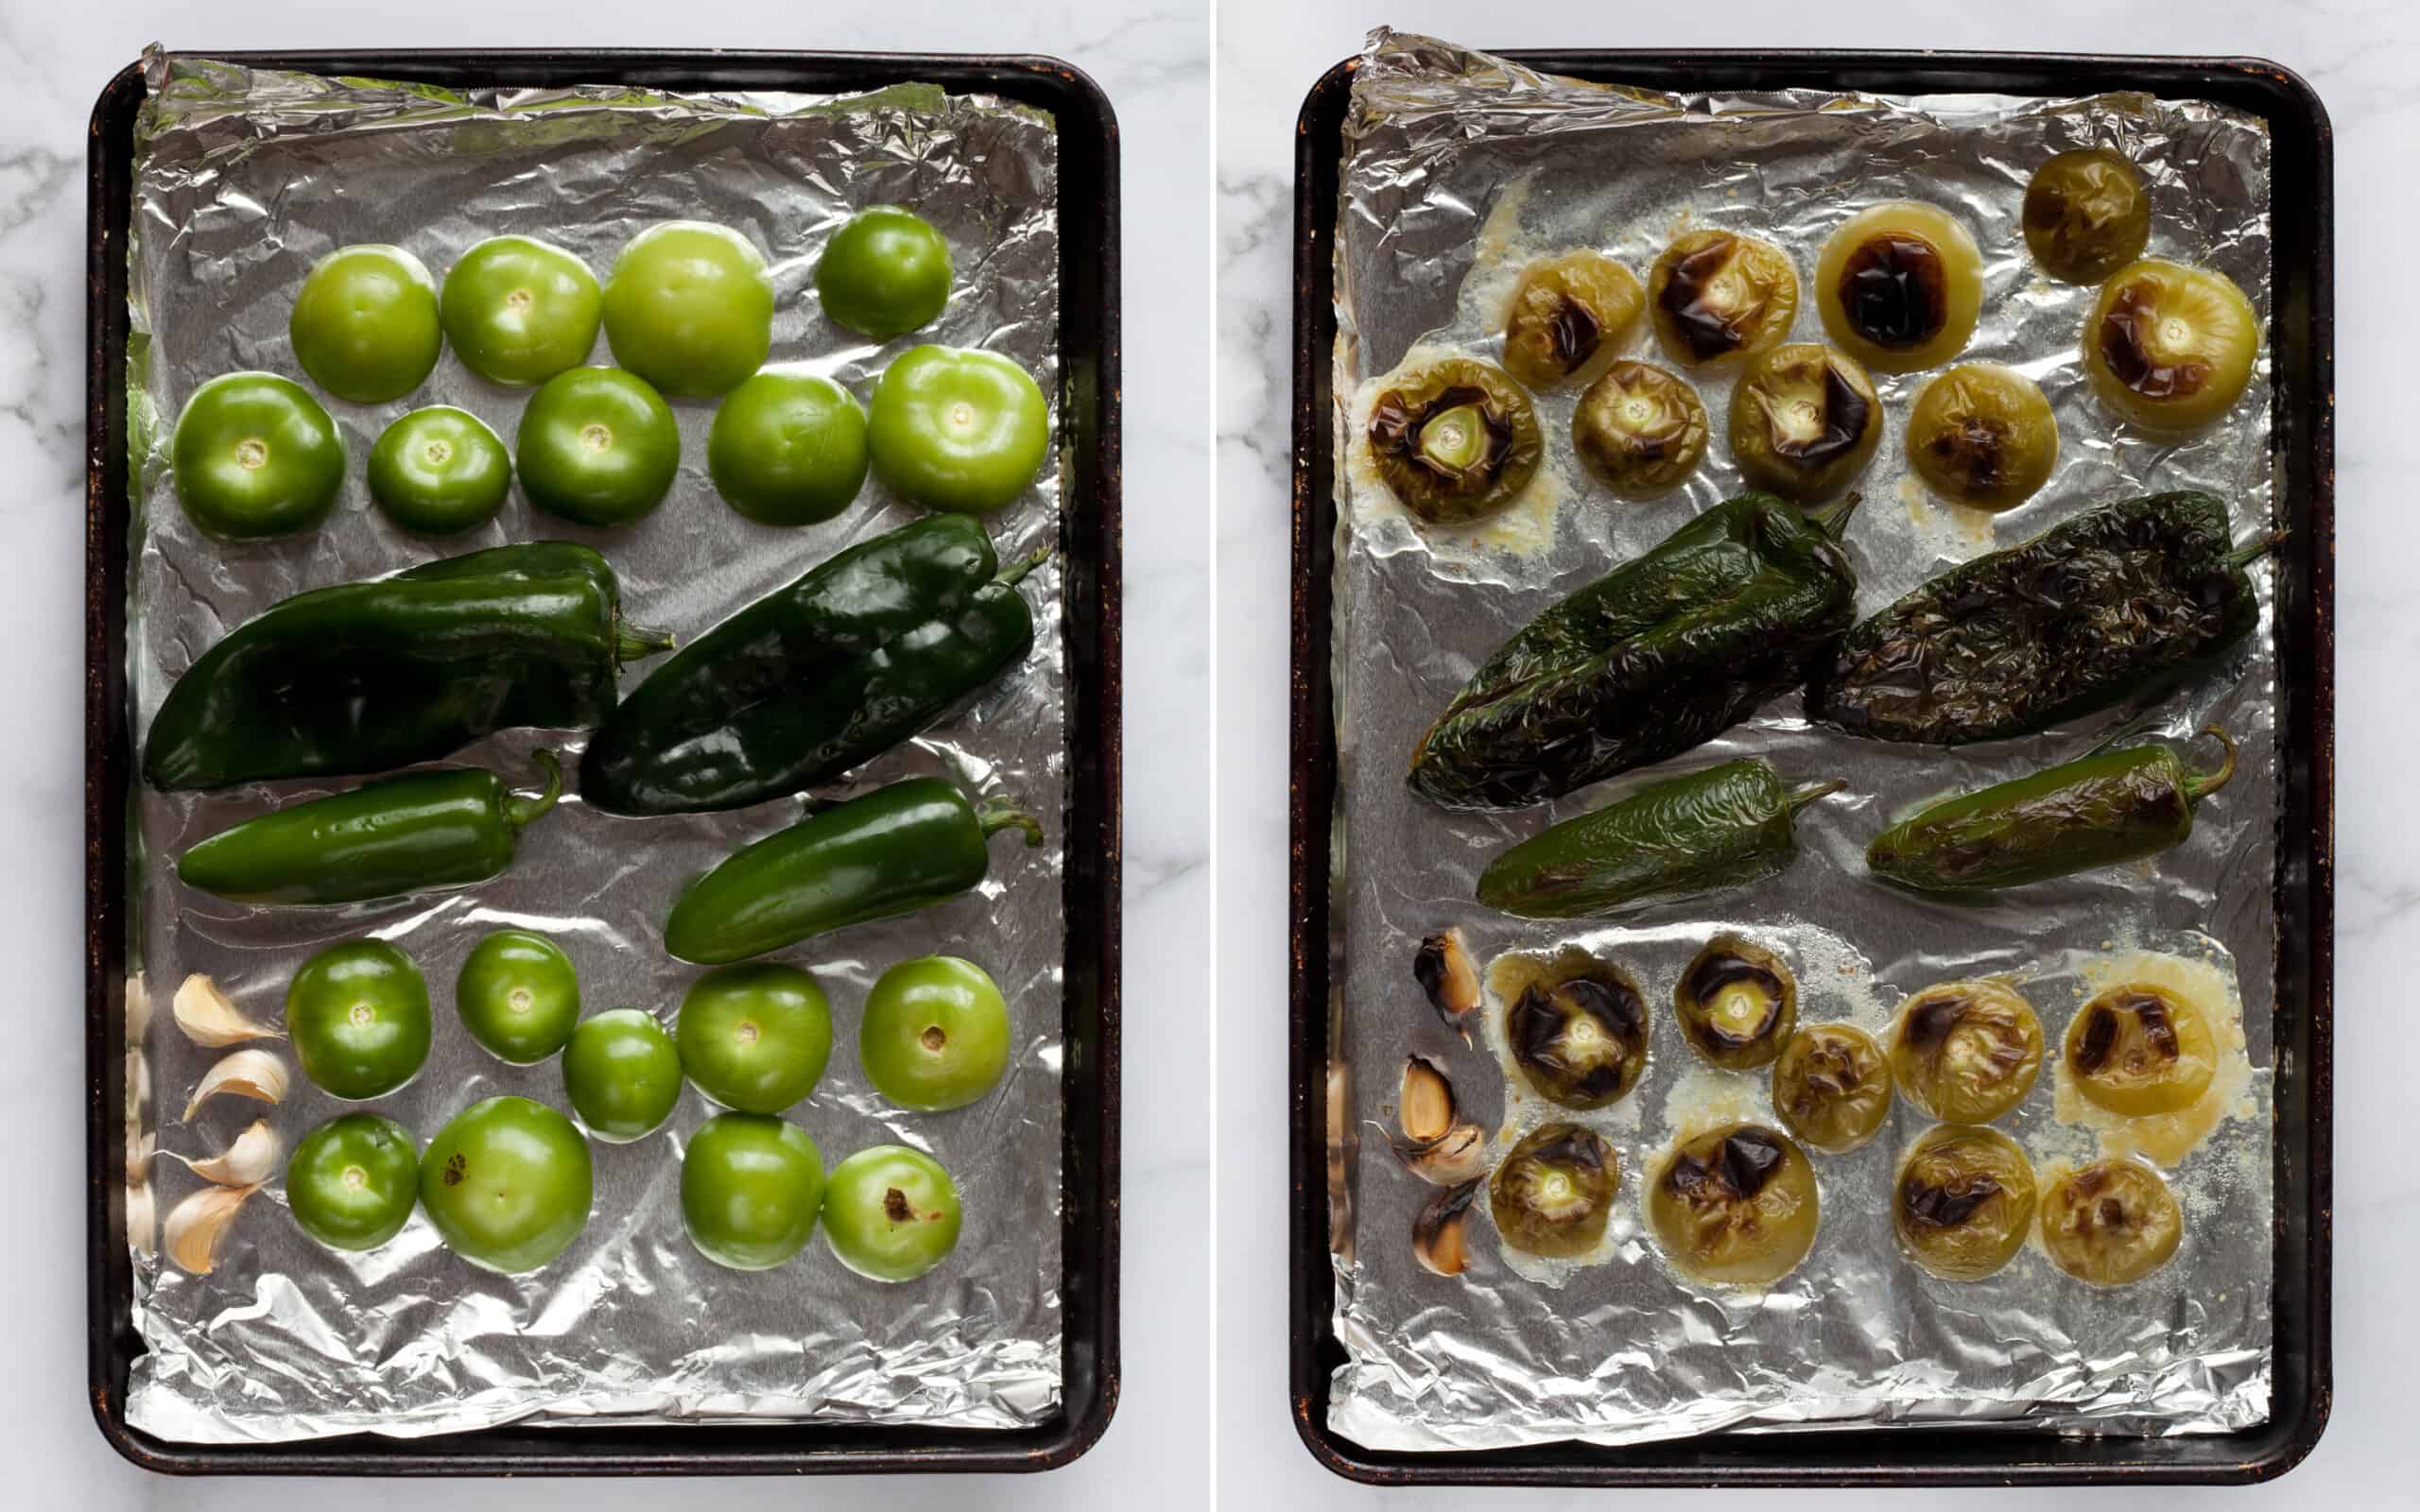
860	653
369	677
1699	833
1663	653
2122	602
2111	807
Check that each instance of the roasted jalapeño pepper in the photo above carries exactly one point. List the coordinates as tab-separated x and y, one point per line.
385	839
1663	653
372	675
2122	602
850	660
1702	832
2101	809
891	851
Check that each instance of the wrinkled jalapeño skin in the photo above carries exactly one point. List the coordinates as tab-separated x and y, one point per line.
1703	831
1663	653
368	677
860	653
2122	602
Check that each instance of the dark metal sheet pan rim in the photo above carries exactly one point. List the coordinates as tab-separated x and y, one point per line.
1089	336
2302	343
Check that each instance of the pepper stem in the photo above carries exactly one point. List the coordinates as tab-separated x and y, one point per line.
518	812
1833	519
2261	546
632	642
993	817
1016	572
2199	785
1798	797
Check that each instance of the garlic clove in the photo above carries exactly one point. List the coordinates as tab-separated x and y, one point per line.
195	1226
142	1218
138	1083
139	1147
210	1017
138	1008
245	1163
246	1074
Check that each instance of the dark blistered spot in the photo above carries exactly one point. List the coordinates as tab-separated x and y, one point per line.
2113	1214
2126	348
2089	1180
1975	451
2100	1038
1575	1150
455	1169
1750	1159
1844	421
1573	332
1929	1022
2159	1032
1707	327
1949	1204
1721	970
894	1206
1894	290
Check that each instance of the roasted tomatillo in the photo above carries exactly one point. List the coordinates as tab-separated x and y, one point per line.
1738	1002
1717	297
352	1182
2170	348
440	471
883	273
2111	1223
598	447
957	429
1736	1206
1555	1191
1805	422
1832	1087
255	457
508	1183
1640	431
1580	1033
364	324
2087	214
2140	1051
1966	1052
1566	311
519	310
1898	287
1982	435
1963	1201
689	307
890	1214
358	1015
1455	440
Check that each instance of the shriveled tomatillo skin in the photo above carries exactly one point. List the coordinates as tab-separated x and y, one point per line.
622	1074
1982	435
787	448
935	1034
508	1183
1717	297
2170	348
1738	1002
890	1214
256	457
1964	1202
2087	214
1832	1087
1805	422
883	273
1579	1039
689	307
352	1182
518	995
364	323
519	310
1455	440
1641	431
1900	287
2141	1050
358	1015
1736	1206
958	428
754	1037
599	447
751	1187
1966	1052
2111	1223
440	471
1565	311
1555	1191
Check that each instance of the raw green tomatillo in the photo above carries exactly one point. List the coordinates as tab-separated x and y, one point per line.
689	307
508	1182
518	995
353	1181
883	273
622	1074
598	447
519	310
754	1037
256	457
890	1214
751	1186
956	428
935	1034
359	1014
364	324
440	471
787	448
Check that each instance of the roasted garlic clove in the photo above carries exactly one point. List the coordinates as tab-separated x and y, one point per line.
1566	311
1982	435
1832	1087
1455	440
254	1074
1898	287
1447	974
1640	430
1736	1206
2169	346
210	1017
1963	1201
1737	1004
1581	1041
1432	1142
1716	297
1966	1052
247	1162
2111	1223
2087	214
1555	1191
2141	1050
1805	422
1440	1231
196	1225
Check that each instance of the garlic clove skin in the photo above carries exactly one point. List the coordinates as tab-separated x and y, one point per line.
253	1074
138	1008
195	1225
245	1163
210	1017
139	1150
142	1218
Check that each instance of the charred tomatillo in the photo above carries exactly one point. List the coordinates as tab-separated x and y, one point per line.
689	307
935	1034
883	273
518	995
890	1214
622	1074
754	1037
958	428
256	457
508	1182
440	471
598	447
751	1186
353	1181
364	323
359	1014
519	310
787	448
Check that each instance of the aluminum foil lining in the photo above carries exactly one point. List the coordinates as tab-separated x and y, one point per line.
243	179
1459	169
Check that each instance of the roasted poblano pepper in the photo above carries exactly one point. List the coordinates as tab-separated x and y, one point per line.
2102	810
2124	602
1703	831
891	851
385	839
368	677
845	663
1663	653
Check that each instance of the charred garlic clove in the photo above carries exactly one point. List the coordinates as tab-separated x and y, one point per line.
1555	1191
2111	1223
210	1017
1805	422
1579	1039
253	1074
1565	311
1640	430
2087	214
1898	287
1445	973
196	1225
1716	297
1964	1202
247	1162
2169	347
1433	1142
1440	1231
1832	1087
1736	1207
1966	1052
1455	440
1982	435
2140	1049
1737	1004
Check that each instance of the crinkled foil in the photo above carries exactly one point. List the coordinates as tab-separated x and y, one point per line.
244	179
1459	169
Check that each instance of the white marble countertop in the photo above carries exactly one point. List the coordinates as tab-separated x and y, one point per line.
53	62
2364	60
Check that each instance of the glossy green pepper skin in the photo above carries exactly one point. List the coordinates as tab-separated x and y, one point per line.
2101	809
862	652
384	839
369	676
1700	833
891	851
1663	653
2119	603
